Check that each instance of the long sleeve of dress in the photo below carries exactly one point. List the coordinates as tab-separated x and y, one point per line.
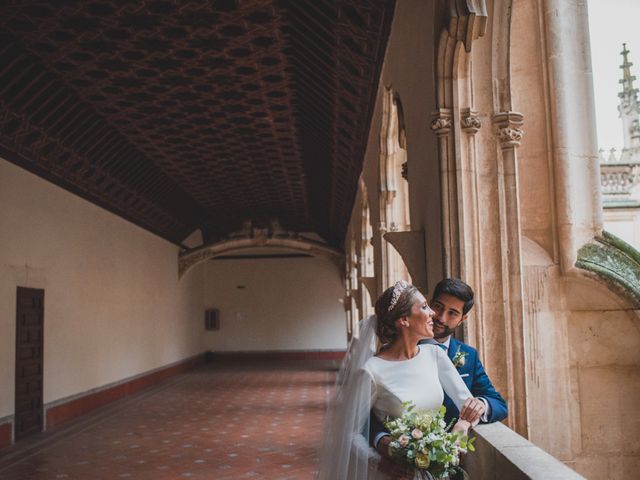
450	380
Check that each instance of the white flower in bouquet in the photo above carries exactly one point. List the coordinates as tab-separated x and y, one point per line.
420	439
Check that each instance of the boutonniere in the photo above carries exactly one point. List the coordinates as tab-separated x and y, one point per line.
459	359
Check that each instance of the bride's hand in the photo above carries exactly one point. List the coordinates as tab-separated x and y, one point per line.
388	466
472	410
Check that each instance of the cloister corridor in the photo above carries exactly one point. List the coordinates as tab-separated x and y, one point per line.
201	199
222	420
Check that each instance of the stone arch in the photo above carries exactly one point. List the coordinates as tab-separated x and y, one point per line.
264	244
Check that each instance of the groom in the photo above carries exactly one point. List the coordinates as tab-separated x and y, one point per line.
452	300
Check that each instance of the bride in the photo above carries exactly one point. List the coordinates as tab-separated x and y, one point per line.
380	382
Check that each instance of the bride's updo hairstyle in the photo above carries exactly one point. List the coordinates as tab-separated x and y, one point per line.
396	302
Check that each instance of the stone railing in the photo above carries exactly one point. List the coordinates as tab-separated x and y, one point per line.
503	454
619	178
619	174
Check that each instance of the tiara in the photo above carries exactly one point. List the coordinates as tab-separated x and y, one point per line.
399	287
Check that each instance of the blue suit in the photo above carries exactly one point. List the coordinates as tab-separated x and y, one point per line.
477	381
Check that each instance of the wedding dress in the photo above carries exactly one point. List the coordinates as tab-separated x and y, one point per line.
366	383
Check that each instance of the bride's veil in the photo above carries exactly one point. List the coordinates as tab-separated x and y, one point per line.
345	452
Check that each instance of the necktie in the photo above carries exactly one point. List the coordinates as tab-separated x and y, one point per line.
442	346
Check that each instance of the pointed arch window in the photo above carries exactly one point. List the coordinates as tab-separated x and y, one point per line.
394	187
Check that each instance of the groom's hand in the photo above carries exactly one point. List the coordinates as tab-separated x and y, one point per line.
472	410
383	446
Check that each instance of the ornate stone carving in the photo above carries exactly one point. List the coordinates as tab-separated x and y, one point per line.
469	121
617	181
442	122
510	136
508	126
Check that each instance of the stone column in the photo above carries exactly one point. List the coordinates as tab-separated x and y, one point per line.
469	204
575	153
442	124
509	134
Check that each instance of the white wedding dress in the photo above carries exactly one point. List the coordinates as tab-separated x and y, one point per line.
366	383
420	380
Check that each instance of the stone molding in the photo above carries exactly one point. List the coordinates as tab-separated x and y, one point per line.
467	20
509	128
614	262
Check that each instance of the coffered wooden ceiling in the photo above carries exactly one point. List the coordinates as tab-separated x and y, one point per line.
180	115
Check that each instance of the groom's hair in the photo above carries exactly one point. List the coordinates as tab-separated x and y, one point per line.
456	288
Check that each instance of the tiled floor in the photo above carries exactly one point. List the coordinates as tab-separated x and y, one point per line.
221	421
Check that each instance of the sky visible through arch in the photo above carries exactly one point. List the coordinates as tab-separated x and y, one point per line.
612	23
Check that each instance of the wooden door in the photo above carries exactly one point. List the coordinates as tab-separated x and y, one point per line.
29	361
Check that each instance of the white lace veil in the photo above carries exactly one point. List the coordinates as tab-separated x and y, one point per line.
345	452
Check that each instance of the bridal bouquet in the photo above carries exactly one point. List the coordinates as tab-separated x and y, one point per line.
421	440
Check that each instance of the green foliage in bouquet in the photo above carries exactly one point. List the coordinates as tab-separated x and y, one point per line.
421	440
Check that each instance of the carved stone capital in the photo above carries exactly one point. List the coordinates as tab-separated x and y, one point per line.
510	136
470	121
442	121
508	127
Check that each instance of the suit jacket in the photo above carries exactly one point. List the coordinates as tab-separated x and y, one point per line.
477	381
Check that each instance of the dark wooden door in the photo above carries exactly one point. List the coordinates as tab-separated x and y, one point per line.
29	361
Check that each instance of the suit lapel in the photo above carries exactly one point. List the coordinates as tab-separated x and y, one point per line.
454	345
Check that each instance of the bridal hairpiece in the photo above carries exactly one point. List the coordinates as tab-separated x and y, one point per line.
399	287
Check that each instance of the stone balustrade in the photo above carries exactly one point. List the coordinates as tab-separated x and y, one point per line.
501	453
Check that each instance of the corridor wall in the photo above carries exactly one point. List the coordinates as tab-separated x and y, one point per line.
275	304
114	307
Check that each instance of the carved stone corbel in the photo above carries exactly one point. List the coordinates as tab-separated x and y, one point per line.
371	285
410	246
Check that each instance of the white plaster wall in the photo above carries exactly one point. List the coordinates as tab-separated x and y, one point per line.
114	306
286	304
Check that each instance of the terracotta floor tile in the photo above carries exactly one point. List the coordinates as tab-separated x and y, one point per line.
222	421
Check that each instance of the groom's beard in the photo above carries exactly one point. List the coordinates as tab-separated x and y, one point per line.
442	331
